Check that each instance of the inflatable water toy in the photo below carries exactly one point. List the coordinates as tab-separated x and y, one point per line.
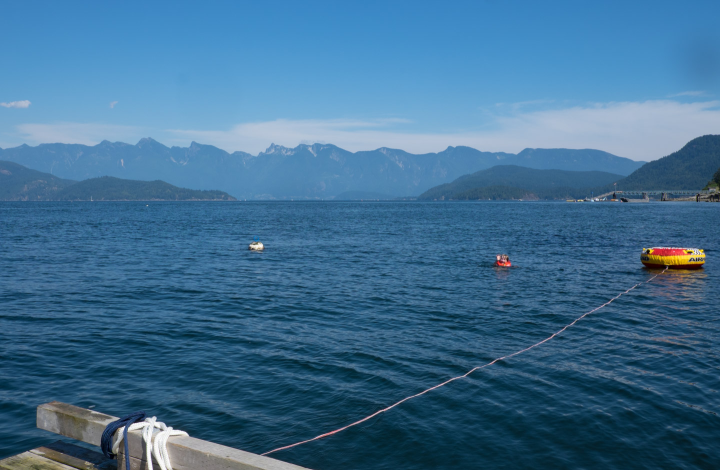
502	261
673	258
256	245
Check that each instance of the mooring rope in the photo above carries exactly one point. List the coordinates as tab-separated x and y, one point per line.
327	434
156	447
122	423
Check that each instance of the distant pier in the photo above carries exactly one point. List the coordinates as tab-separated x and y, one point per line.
667	194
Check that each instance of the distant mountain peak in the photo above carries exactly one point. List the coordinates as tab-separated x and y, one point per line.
316	148
148	142
197	145
108	144
306	147
279	149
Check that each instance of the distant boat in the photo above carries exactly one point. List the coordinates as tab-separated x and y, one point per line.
634	201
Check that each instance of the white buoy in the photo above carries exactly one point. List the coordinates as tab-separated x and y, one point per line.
256	246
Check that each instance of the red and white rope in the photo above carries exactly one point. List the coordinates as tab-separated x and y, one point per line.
327	434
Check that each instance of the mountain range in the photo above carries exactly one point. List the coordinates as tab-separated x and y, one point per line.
316	171
689	168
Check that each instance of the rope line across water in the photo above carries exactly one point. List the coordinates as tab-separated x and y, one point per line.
327	434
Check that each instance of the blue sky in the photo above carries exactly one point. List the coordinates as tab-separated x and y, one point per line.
638	79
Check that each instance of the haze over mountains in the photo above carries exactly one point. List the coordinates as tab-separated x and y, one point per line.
688	169
306	171
525	182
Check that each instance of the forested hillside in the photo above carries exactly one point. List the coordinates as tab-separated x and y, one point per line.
688	168
546	184
108	188
18	183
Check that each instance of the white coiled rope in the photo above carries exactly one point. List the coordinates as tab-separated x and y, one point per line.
156	447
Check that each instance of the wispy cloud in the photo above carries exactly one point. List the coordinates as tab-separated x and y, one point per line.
689	93
254	137
112	104
77	133
522	104
642	130
16	104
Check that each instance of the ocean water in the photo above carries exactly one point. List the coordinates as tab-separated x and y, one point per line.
353	306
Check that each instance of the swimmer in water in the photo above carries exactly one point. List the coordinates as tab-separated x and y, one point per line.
502	260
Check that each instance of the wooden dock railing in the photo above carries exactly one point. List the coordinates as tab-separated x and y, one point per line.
186	453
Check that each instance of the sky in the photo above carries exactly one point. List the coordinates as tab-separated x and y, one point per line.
637	79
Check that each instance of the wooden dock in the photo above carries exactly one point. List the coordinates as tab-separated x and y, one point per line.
59	455
186	453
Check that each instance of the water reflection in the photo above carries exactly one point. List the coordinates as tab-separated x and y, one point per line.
681	284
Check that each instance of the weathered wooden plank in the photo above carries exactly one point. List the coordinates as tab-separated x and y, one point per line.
69	460
76	456
95	458
138	464
87	426
31	461
72	421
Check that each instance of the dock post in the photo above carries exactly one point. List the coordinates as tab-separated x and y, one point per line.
186	453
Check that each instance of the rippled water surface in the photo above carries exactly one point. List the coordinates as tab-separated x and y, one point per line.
352	306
